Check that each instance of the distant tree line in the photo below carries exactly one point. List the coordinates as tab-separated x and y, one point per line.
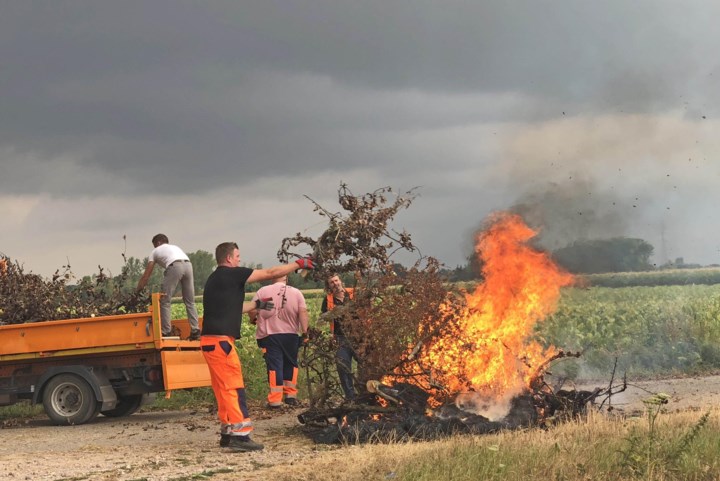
591	256
597	256
204	264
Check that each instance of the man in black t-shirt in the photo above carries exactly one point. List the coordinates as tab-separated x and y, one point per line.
224	304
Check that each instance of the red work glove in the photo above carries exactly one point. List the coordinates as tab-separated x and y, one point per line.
305	263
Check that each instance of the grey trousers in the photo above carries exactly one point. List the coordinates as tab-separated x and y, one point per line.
178	273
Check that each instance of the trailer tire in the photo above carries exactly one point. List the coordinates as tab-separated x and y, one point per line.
69	399
126	405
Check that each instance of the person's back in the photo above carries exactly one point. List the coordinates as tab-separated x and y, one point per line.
223	299
285	318
165	254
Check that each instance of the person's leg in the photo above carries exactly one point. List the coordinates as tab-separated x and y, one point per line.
169	284
274	363
290	367
207	347
229	388
187	284
343	359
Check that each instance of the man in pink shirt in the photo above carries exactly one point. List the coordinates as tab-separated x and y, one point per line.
277	335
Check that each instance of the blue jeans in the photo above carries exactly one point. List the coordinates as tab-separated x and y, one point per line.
343	359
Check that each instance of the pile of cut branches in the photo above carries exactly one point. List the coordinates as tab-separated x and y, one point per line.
394	309
27	297
358	241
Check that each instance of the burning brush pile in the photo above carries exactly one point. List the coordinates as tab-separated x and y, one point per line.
433	362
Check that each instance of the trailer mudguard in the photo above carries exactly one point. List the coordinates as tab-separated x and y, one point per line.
102	388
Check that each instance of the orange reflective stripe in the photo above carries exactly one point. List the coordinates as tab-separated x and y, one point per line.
276	392
241	429
289	389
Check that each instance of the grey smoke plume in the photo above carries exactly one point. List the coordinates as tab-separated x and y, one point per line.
574	210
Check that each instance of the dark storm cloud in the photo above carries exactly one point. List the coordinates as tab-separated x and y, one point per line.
181	110
188	95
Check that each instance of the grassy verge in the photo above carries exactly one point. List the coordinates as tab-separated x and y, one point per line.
679	447
21	410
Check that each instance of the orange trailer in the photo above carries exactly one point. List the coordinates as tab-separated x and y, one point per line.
79	368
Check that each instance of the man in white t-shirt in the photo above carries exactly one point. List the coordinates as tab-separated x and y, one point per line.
178	270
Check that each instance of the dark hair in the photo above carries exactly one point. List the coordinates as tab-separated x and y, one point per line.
222	251
160	239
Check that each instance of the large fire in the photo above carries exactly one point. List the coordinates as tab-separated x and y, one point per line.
492	359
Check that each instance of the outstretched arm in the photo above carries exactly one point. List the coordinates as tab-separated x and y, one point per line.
259	275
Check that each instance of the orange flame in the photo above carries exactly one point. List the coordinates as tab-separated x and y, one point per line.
492	355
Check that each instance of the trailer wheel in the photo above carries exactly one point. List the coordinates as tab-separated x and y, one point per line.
125	406
69	399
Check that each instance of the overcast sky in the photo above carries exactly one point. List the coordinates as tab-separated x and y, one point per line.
210	121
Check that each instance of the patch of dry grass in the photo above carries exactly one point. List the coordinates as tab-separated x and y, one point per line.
592	448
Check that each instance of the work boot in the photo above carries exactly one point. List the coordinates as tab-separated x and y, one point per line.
224	440
243	444
274	407
194	335
291	401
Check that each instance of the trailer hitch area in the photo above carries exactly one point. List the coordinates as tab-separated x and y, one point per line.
151	375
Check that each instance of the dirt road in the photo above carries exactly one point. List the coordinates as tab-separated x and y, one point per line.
184	445
150	445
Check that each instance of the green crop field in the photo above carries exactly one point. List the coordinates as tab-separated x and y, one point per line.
651	331
667	277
